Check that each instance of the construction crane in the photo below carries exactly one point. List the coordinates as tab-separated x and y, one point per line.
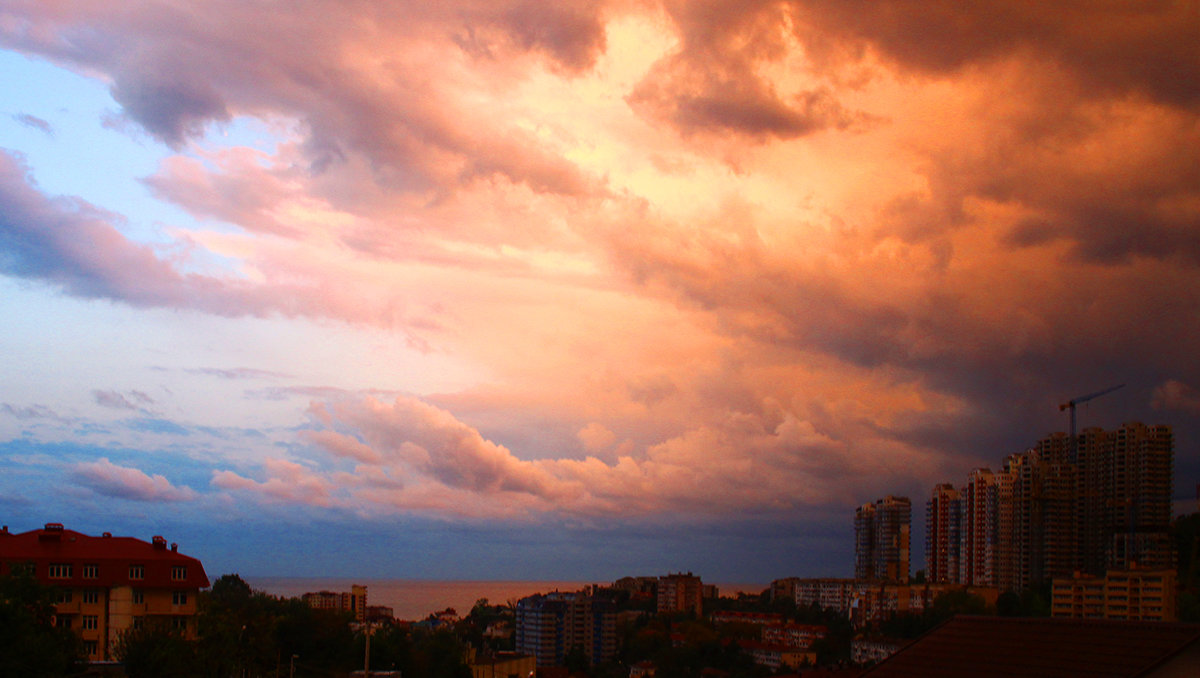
1070	404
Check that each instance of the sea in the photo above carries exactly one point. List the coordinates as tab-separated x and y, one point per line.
416	599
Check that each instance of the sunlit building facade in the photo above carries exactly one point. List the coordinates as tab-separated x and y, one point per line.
108	585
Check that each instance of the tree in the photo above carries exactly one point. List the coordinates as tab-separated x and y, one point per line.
30	643
155	650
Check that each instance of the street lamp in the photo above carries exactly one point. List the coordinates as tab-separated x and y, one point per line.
292	669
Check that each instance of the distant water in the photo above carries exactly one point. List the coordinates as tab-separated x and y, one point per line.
415	599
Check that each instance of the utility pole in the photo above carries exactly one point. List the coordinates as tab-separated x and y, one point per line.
367	653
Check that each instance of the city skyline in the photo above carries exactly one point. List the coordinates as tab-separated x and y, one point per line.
573	292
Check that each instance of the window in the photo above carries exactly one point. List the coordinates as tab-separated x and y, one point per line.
60	570
90	621
91	596
90	647
139	597
64	596
179	623
91	571
138	622
62	621
137	571
178	572
179	598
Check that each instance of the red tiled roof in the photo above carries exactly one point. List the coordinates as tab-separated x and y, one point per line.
987	647
111	555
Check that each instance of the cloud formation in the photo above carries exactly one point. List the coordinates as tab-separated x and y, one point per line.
122	482
711	258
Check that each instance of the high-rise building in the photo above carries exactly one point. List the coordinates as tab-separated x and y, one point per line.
942	523
977	556
106	585
882	540
1102	502
550	626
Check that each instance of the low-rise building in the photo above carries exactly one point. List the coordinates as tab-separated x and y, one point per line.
864	650
354	602
775	657
504	665
828	593
107	585
1134	595
800	636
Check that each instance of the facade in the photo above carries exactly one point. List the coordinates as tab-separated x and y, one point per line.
107	585
1133	595
881	540
800	636
826	593
354	602
504	665
680	593
977	534
943	518
877	602
549	626
864	650
775	657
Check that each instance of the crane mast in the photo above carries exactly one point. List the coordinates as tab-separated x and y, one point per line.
1070	404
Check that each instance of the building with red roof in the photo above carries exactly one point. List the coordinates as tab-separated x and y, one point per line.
107	585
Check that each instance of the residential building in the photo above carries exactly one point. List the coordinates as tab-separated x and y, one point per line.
800	636
827	593
504	665
1135	595
877	602
354	601
882	534
1096	503
775	657
977	532
107	585
680	593
943	519
551	625
872	650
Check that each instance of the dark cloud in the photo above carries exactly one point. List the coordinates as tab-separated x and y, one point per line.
114	400
34	122
172	109
711	85
30	412
1145	47
176	71
236	373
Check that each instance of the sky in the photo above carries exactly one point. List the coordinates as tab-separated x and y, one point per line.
578	290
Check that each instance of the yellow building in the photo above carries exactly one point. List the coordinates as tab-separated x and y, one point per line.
107	585
1134	595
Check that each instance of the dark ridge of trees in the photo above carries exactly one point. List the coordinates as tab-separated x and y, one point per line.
30	644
